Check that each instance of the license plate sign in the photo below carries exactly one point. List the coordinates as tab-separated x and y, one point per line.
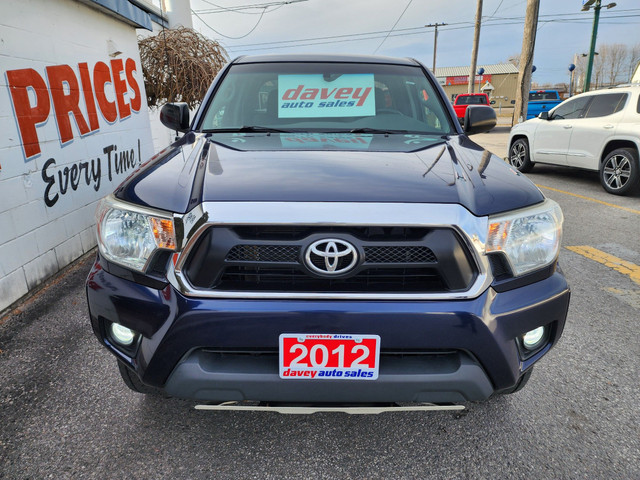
329	356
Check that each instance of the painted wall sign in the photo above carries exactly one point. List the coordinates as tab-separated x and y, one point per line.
81	100
88	173
74	122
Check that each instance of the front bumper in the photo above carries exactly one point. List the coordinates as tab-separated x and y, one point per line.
227	349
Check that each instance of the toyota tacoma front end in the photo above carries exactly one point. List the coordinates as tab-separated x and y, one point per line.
325	232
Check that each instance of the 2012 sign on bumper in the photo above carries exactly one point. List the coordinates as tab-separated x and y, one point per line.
329	356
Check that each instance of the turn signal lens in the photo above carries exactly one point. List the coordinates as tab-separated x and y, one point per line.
163	233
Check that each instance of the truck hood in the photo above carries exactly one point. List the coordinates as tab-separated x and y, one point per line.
328	168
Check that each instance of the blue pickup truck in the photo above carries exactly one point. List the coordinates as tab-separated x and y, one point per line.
325	232
542	101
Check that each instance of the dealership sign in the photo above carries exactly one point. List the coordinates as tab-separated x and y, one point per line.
314	96
464	79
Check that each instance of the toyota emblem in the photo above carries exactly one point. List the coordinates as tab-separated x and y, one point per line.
331	256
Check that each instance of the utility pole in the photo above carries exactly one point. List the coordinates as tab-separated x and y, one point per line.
526	61
435	42
474	52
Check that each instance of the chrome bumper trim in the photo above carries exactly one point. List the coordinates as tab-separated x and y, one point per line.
307	410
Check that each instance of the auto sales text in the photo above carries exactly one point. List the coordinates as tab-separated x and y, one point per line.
326	373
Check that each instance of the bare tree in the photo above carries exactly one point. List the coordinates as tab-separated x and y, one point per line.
598	67
614	62
178	65
633	58
579	73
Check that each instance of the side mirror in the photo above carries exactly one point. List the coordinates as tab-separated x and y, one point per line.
544	115
175	116
479	119
492	102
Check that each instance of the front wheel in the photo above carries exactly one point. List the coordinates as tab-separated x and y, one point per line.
519	157
620	171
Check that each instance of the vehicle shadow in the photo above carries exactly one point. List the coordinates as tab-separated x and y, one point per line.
582	182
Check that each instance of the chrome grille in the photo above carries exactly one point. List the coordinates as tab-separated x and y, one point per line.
272	259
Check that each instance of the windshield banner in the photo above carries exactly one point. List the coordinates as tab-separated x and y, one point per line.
311	96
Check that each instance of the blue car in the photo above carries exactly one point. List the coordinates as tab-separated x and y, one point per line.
324	232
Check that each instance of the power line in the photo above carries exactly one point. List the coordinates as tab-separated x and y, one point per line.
394	26
498	22
264	6
239	8
331	37
494	12
226	36
297	44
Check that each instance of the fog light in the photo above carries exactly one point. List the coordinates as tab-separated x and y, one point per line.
122	335
533	339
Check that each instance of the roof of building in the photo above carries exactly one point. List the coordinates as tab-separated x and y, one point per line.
497	69
137	13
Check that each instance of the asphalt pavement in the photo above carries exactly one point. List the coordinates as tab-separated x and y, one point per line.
65	412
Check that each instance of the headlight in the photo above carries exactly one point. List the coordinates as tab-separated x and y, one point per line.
529	238
130	237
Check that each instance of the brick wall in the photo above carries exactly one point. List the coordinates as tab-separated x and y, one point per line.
74	123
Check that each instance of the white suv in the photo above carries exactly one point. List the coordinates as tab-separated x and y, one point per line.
597	130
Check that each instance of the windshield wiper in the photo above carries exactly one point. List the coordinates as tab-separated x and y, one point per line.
246	129
377	130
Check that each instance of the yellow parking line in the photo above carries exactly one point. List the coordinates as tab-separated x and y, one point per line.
626	209
626	268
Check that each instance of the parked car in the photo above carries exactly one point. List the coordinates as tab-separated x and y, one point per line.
463	100
598	130
542	101
325	231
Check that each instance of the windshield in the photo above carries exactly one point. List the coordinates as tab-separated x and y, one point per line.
534	96
471	100
326	97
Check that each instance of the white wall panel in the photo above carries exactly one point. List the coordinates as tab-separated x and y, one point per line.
55	164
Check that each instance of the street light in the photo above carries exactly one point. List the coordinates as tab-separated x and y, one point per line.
594	34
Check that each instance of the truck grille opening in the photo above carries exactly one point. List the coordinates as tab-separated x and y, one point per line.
294	280
272	259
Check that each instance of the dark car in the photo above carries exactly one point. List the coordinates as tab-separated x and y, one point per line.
324	232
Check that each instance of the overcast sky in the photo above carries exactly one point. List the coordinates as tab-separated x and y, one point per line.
563	29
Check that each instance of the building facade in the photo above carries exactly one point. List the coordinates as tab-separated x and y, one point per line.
499	81
75	123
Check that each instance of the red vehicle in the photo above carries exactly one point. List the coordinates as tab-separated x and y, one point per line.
463	100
